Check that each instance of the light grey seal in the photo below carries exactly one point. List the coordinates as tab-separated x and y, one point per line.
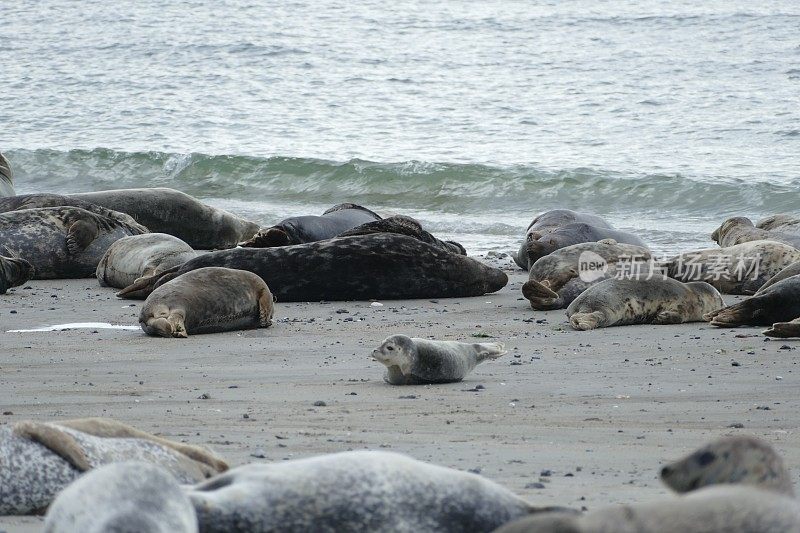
207	300
622	302
741	460
39	200
353	491
169	211
61	242
415	361
131	258
779	303
13	272
788	272
739	269
6	177
125	497
738	230
556	279
39	459
783	223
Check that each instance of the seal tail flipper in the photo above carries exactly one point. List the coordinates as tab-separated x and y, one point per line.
490	350
784	329
585	321
733	315
535	289
56	440
265	308
142	287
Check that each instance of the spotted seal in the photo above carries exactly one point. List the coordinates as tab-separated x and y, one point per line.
738	230
312	228
364	267
353	491
779	302
13	272
39	459
414	361
6	177
123	497
547	222
131	258
555	280
61	242
404	225
622	302
788	272
169	211
207	300
39	200
739	269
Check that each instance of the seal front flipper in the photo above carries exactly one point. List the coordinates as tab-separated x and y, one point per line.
56	440
784	329
668	316
142	287
81	234
266	308
535	289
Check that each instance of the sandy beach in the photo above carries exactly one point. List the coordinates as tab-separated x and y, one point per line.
579	419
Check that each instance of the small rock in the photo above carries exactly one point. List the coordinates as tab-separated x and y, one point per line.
204	396
546	473
535	486
320	403
736	425
258	453
246	416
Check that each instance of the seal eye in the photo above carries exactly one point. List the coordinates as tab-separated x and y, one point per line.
390	348
705	458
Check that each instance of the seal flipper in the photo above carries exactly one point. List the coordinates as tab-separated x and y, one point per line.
265	309
490	350
142	287
784	329
733	315
586	321
535	289
81	234
56	440
668	316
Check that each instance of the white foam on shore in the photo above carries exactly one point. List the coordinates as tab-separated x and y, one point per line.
76	325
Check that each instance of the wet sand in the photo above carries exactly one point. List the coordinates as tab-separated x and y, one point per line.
568	418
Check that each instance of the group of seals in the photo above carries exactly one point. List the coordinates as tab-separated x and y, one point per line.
131	258
413	361
207	300
738	230
39	459
13	272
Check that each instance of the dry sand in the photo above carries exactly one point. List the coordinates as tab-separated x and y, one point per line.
568	418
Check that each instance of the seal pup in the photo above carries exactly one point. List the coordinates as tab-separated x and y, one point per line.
549	221
13	272
61	242
404	225
738	230
741	460
363	267
312	228
131	258
207	300
556	279
739	269
779	302
6	177
353	491
125	497
39	459
169	211
415	361
622	302
36	201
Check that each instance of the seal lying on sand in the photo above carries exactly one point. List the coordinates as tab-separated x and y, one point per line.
778	303
39	459
207	300
404	225
13	272
131	258
380	266
61	242
549	221
311	228
413	361
169	211
621	302
353	491
739	269
6	177
36	201
556	279
122	497
738	230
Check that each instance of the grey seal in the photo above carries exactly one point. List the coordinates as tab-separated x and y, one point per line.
169	211
779	302
312	228
61	242
783	223
415	361
353	491
364	267
207	300
131	258
556	279
39	200
547	222
125	497
13	272
6	177
622	302
788	272
39	459
738	230
404	225
738	269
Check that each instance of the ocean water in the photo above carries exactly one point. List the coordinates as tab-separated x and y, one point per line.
665	117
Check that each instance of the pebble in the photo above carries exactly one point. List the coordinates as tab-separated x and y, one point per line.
320	403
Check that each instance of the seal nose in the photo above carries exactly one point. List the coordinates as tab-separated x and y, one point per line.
666	471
